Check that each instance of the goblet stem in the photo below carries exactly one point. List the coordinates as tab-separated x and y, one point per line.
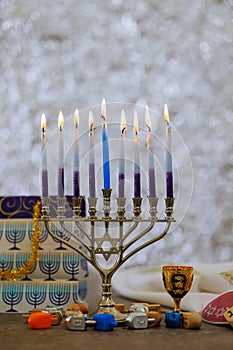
177	304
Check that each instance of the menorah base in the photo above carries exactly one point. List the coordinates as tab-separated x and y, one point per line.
119	317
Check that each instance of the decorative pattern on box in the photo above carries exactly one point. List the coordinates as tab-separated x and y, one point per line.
60	275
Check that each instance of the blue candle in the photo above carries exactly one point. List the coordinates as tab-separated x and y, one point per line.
106	165
60	180
122	157
137	175
150	148
44	173
169	175
91	157
76	155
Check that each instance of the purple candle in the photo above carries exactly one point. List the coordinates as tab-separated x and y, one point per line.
122	157
91	157
137	175
150	148
76	155
44	173
169	175
60	181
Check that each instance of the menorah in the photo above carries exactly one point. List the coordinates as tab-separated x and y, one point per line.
107	240
92	246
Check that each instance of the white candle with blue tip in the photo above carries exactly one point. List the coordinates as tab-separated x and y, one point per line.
106	165
137	175
122	157
91	157
76	177
60	180
44	170
150	148
169	175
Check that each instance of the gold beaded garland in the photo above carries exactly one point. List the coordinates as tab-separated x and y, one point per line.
27	267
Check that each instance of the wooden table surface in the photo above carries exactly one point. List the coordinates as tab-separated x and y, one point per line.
16	334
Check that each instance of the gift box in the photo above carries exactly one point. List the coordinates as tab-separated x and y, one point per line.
58	278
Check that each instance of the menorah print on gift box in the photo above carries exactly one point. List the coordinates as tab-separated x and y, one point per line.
107	238
35	294
49	263
15	234
20	259
33	289
6	261
12	295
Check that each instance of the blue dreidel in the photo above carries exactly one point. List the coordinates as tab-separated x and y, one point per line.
104	322
173	319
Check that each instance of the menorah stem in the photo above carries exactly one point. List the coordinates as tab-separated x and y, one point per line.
106	301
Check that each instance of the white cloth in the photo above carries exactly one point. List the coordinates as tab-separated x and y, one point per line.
145	284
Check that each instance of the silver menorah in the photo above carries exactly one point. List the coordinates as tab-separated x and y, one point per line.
99	248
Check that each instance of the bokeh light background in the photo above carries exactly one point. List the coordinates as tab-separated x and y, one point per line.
66	54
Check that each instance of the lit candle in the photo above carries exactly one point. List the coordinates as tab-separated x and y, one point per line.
44	173
150	148
169	176
76	154
91	157
137	180
60	181
106	165
122	157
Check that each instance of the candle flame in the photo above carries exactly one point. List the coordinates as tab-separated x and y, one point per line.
43	123
147	117
123	122
76	118
136	128
103	109
91	121
166	114
60	120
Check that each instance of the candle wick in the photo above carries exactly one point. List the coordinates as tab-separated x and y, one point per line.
123	130
103	118
148	127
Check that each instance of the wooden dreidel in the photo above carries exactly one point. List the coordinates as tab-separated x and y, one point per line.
228	315
121	308
154	318
191	320
41	320
83	307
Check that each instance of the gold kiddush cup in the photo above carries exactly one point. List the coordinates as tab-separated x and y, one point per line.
177	281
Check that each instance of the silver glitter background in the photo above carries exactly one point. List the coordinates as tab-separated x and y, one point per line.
66	54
